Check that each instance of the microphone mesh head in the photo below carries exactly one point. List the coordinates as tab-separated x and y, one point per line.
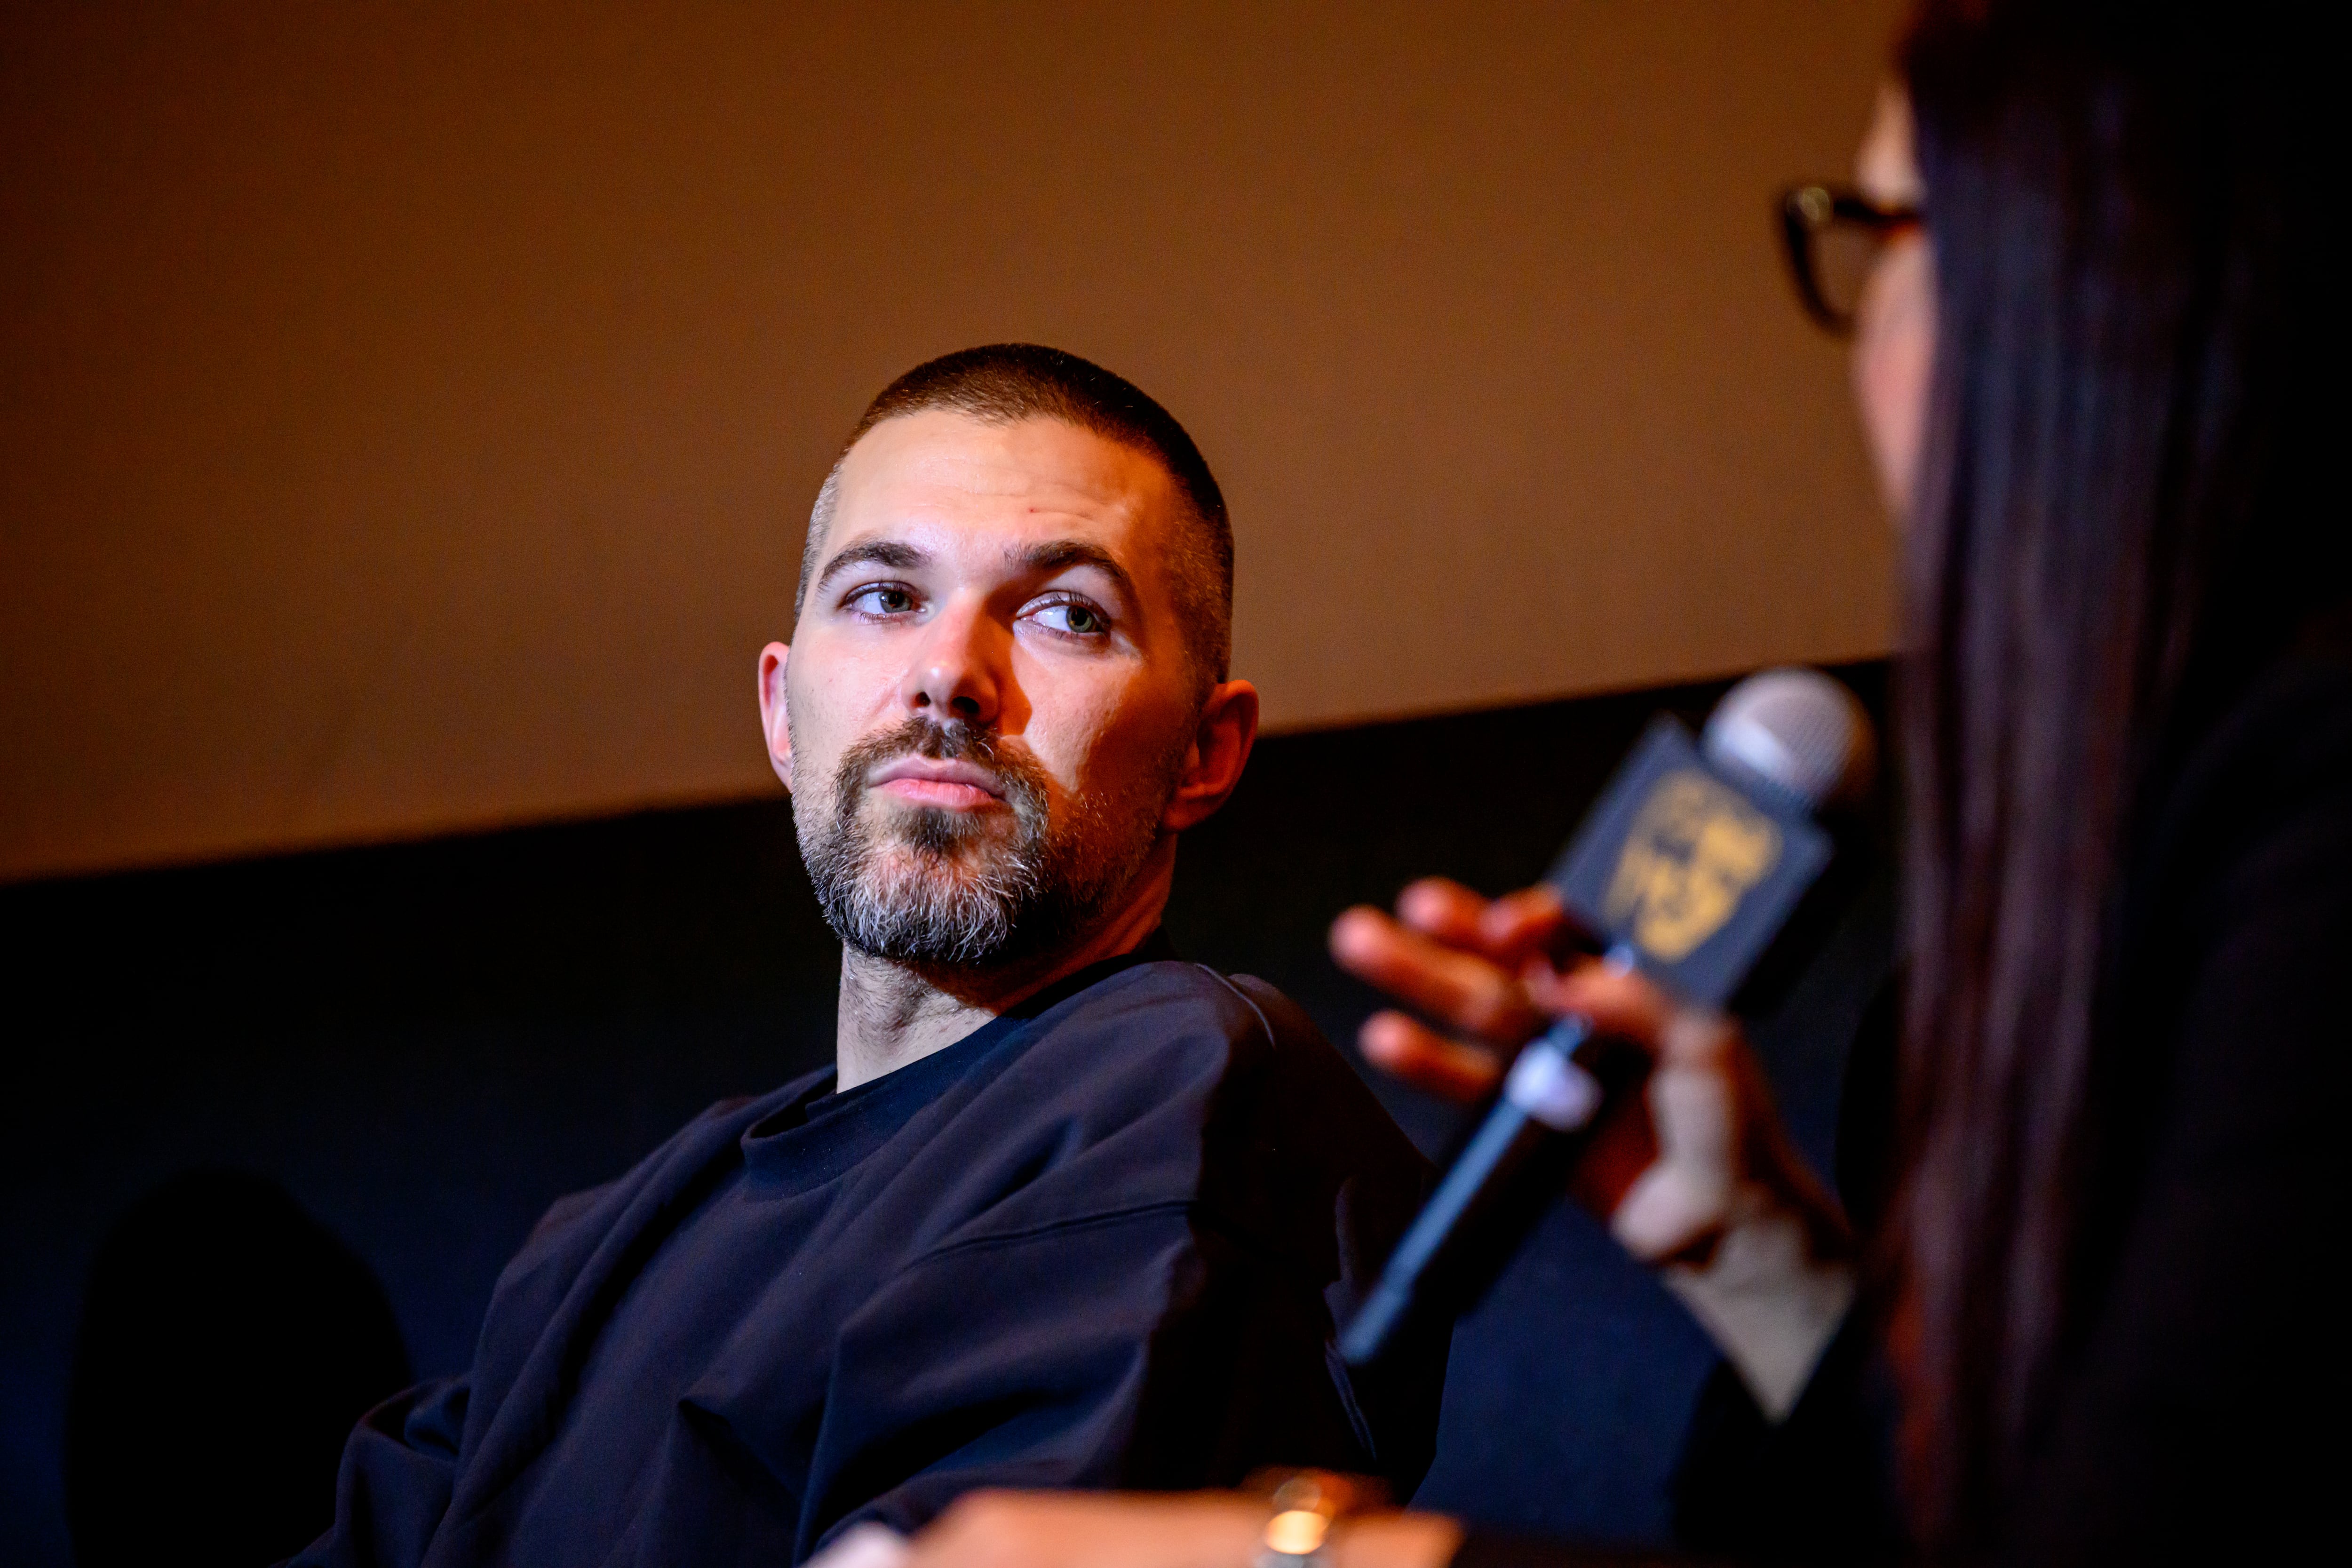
1797	731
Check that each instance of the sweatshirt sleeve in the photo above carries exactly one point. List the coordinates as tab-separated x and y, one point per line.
398	1468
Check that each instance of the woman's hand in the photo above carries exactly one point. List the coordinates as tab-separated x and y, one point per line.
1089	1529
1195	1529
1699	1179
1721	1158
1459	958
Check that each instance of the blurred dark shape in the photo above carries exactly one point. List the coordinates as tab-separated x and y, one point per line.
228	1342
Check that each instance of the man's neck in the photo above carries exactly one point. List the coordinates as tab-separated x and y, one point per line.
893	1013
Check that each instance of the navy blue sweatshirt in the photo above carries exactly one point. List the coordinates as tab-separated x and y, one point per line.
1100	1241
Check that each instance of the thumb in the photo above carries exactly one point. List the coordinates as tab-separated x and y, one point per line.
1689	1193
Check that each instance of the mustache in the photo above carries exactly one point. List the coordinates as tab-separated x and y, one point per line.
1019	777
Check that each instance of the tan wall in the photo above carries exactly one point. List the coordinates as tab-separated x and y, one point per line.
410	412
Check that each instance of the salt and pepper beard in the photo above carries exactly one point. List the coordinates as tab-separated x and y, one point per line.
938	888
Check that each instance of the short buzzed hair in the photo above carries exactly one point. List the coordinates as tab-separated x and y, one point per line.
1003	384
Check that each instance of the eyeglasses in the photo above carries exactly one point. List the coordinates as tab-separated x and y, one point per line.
1835	235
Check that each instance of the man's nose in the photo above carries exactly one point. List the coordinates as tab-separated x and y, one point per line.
957	674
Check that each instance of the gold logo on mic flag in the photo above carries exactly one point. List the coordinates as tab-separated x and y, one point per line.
1694	851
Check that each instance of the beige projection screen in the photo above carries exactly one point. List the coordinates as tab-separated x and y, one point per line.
411	411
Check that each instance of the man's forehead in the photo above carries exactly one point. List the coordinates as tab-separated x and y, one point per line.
945	468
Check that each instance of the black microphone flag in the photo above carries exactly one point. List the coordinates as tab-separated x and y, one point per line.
1688	869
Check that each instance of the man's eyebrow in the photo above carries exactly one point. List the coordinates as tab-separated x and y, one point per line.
1061	554
879	552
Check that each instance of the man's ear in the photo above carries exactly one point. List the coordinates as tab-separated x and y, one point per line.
1220	749
774	723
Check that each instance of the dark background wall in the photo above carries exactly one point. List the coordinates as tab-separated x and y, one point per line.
428	1042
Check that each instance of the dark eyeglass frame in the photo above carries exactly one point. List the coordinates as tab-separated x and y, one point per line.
1808	212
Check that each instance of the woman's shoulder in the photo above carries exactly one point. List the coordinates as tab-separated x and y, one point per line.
2273	775
2239	913
2218	1208
2296	714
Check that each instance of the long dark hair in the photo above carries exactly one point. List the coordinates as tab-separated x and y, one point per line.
2112	521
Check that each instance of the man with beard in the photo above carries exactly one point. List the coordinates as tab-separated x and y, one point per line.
1066	1211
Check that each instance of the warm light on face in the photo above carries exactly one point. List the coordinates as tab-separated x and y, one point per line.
1002	590
1895	327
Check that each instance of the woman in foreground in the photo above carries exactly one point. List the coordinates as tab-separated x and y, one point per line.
2097	363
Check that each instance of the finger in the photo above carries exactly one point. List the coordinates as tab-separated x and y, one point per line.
1427	1060
1626	1002
1442	908
1703	1040
1697	1113
1039	1530
1665	1216
1529	923
1625	1145
1006	1529
1689	1194
1463	990
1620	1002
1509	930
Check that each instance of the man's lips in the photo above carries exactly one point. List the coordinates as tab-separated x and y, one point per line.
921	781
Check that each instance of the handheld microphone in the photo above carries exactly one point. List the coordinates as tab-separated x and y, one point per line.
1688	866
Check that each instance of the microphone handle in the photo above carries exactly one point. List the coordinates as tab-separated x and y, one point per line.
1505	1178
